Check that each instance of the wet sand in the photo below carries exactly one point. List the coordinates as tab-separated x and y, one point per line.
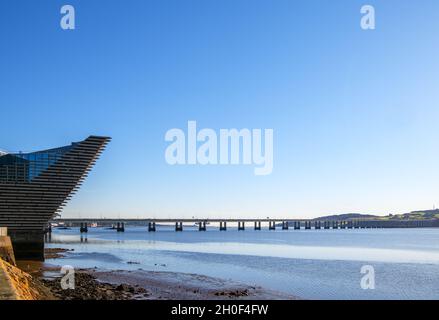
183	286
96	284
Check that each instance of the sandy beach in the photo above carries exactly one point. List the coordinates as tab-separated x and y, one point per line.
97	284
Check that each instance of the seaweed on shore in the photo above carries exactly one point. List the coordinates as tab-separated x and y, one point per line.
88	288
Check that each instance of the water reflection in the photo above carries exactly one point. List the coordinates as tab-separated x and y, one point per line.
311	264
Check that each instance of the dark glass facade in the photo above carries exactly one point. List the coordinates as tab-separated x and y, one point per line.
24	167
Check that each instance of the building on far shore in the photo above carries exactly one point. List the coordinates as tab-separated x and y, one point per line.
34	188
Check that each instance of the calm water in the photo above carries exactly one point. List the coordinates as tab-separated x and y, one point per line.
312	264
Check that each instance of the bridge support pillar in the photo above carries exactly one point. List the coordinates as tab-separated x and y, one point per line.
120	227
202	226
257	225
307	225
271	225
84	227
48	228
223	225
179	226
151	226
334	224
326	224
48	237
241	225
296	225
284	225
317	225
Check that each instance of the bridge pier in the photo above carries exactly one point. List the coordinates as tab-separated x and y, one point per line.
241	226
334	224
120	227
327	224
48	228
223	225
151	226
350	224
84	227
307	225
343	224
202	226
284	225
296	225
48	237
257	225
317	225
271	225
179	226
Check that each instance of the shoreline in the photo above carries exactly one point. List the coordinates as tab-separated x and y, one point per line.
99	284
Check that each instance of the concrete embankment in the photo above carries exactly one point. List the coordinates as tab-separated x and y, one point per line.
14	283
18	285
6	250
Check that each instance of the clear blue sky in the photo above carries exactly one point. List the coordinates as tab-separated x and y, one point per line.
355	113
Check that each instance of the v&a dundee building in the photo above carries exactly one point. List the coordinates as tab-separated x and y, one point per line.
34	188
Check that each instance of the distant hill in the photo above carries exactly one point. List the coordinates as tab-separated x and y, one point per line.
347	216
414	215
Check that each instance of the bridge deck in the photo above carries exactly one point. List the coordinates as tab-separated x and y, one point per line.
286	222
184	220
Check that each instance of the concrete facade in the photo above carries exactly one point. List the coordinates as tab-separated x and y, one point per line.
6	250
28	244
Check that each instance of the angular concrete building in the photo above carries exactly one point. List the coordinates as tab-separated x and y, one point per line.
34	188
